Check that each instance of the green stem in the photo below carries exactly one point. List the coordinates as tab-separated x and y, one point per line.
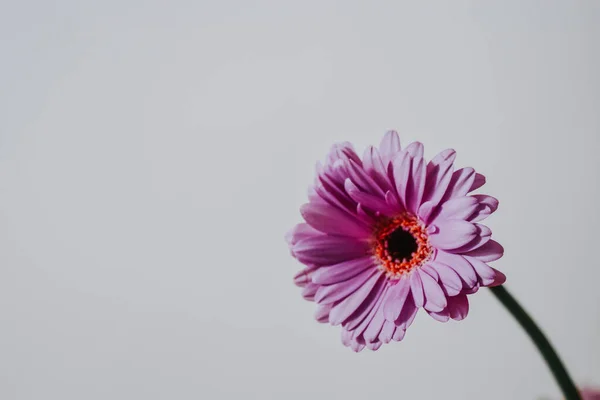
537	336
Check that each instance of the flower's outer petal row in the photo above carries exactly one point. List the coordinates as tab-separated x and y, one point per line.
378	329
349	197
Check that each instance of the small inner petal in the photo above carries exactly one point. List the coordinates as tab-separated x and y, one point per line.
401	244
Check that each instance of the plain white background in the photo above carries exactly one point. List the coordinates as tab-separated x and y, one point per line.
153	154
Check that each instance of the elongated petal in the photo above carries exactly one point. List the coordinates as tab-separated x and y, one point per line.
370	327
396	299
327	250
416	288
453	234
338	291
389	147
363	180
442	316
299	232
487	275
407	316
322	313
435	299
449	279
387	331
418	185
402	170
491	251
448	155
487	205
457	208
438	178
368	200
458	307
484	234
460	265
373	165
365	311
304	276
341	311
309	291
343	271
478	182
415	149
329	219
398	334
461	182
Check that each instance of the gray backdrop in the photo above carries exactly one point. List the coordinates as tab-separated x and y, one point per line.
152	155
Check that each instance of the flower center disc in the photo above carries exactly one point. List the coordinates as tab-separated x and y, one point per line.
401	244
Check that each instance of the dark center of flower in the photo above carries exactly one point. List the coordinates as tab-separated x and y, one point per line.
401	244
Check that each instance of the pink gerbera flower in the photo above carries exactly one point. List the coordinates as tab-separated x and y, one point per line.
389	234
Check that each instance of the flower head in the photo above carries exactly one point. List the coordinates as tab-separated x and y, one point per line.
389	234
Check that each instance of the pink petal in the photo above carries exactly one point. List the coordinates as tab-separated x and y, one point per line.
438	178
308	293
327	250
427	268
373	165
418	184
372	330
407	316
452	234
322	313
364	216
435	299
442	316
459	265
299	232
398	334
487	205
458	307
415	149
363	180
484	235
426	211
416	288
338	291
329	219
357	347
478	182
442	157
486	274
461	183
346	337
392	201
304	276
457	208
344	309
396	299
364	313
373	346
491	251
359	328
330	193
449	279
343	271
389	147
401	169
368	200
500	278
387	331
